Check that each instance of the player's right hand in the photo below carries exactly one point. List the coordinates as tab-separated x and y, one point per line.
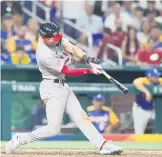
94	71
148	96
94	60
88	59
93	65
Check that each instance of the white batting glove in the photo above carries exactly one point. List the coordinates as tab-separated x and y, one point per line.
93	65
95	71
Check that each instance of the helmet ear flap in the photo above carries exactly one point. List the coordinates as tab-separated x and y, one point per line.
56	39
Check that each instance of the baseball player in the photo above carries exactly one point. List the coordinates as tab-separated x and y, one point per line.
143	107
54	56
101	116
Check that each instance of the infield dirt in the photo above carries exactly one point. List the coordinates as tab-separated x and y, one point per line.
77	153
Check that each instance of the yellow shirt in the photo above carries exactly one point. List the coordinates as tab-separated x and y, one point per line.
113	119
24	60
145	81
145	45
11	44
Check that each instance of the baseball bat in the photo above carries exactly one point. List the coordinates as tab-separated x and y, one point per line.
115	82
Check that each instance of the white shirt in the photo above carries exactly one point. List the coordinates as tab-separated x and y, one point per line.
52	59
110	21
73	9
142	38
92	24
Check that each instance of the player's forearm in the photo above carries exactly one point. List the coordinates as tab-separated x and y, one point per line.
74	50
140	86
74	72
78	52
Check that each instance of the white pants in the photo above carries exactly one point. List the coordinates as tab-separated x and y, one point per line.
141	118
59	98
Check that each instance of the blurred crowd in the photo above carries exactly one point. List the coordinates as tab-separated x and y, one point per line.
125	24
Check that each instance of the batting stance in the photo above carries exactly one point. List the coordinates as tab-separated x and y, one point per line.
54	56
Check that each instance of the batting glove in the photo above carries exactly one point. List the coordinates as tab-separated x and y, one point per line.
88	60
94	71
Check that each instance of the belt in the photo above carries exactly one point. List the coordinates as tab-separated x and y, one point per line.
61	81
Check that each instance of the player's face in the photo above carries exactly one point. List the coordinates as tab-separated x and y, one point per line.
98	104
49	43
154	80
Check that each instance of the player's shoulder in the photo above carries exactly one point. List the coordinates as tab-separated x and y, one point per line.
143	80
104	108
107	109
90	108
13	38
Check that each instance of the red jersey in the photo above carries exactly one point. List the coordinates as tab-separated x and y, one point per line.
116	38
153	58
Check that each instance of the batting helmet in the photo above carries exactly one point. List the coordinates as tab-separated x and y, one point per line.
50	32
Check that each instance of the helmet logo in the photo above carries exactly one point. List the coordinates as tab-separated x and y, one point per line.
42	32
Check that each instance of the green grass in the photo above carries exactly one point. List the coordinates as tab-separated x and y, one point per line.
84	145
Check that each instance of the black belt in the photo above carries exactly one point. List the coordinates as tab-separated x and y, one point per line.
61	81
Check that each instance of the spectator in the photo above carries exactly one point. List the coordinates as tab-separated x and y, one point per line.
130	46
101	7
52	7
20	41
127	8
69	10
151	6
90	22
143	105
108	7
19	57
151	14
7	27
18	18
118	35
10	7
117	14
144	35
150	56
158	19
156	35
138	18
103	44
32	33
116	38
102	117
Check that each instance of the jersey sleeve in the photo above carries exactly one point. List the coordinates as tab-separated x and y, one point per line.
160	79
113	118
143	80
65	41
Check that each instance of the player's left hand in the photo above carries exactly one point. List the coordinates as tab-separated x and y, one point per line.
94	71
93	65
